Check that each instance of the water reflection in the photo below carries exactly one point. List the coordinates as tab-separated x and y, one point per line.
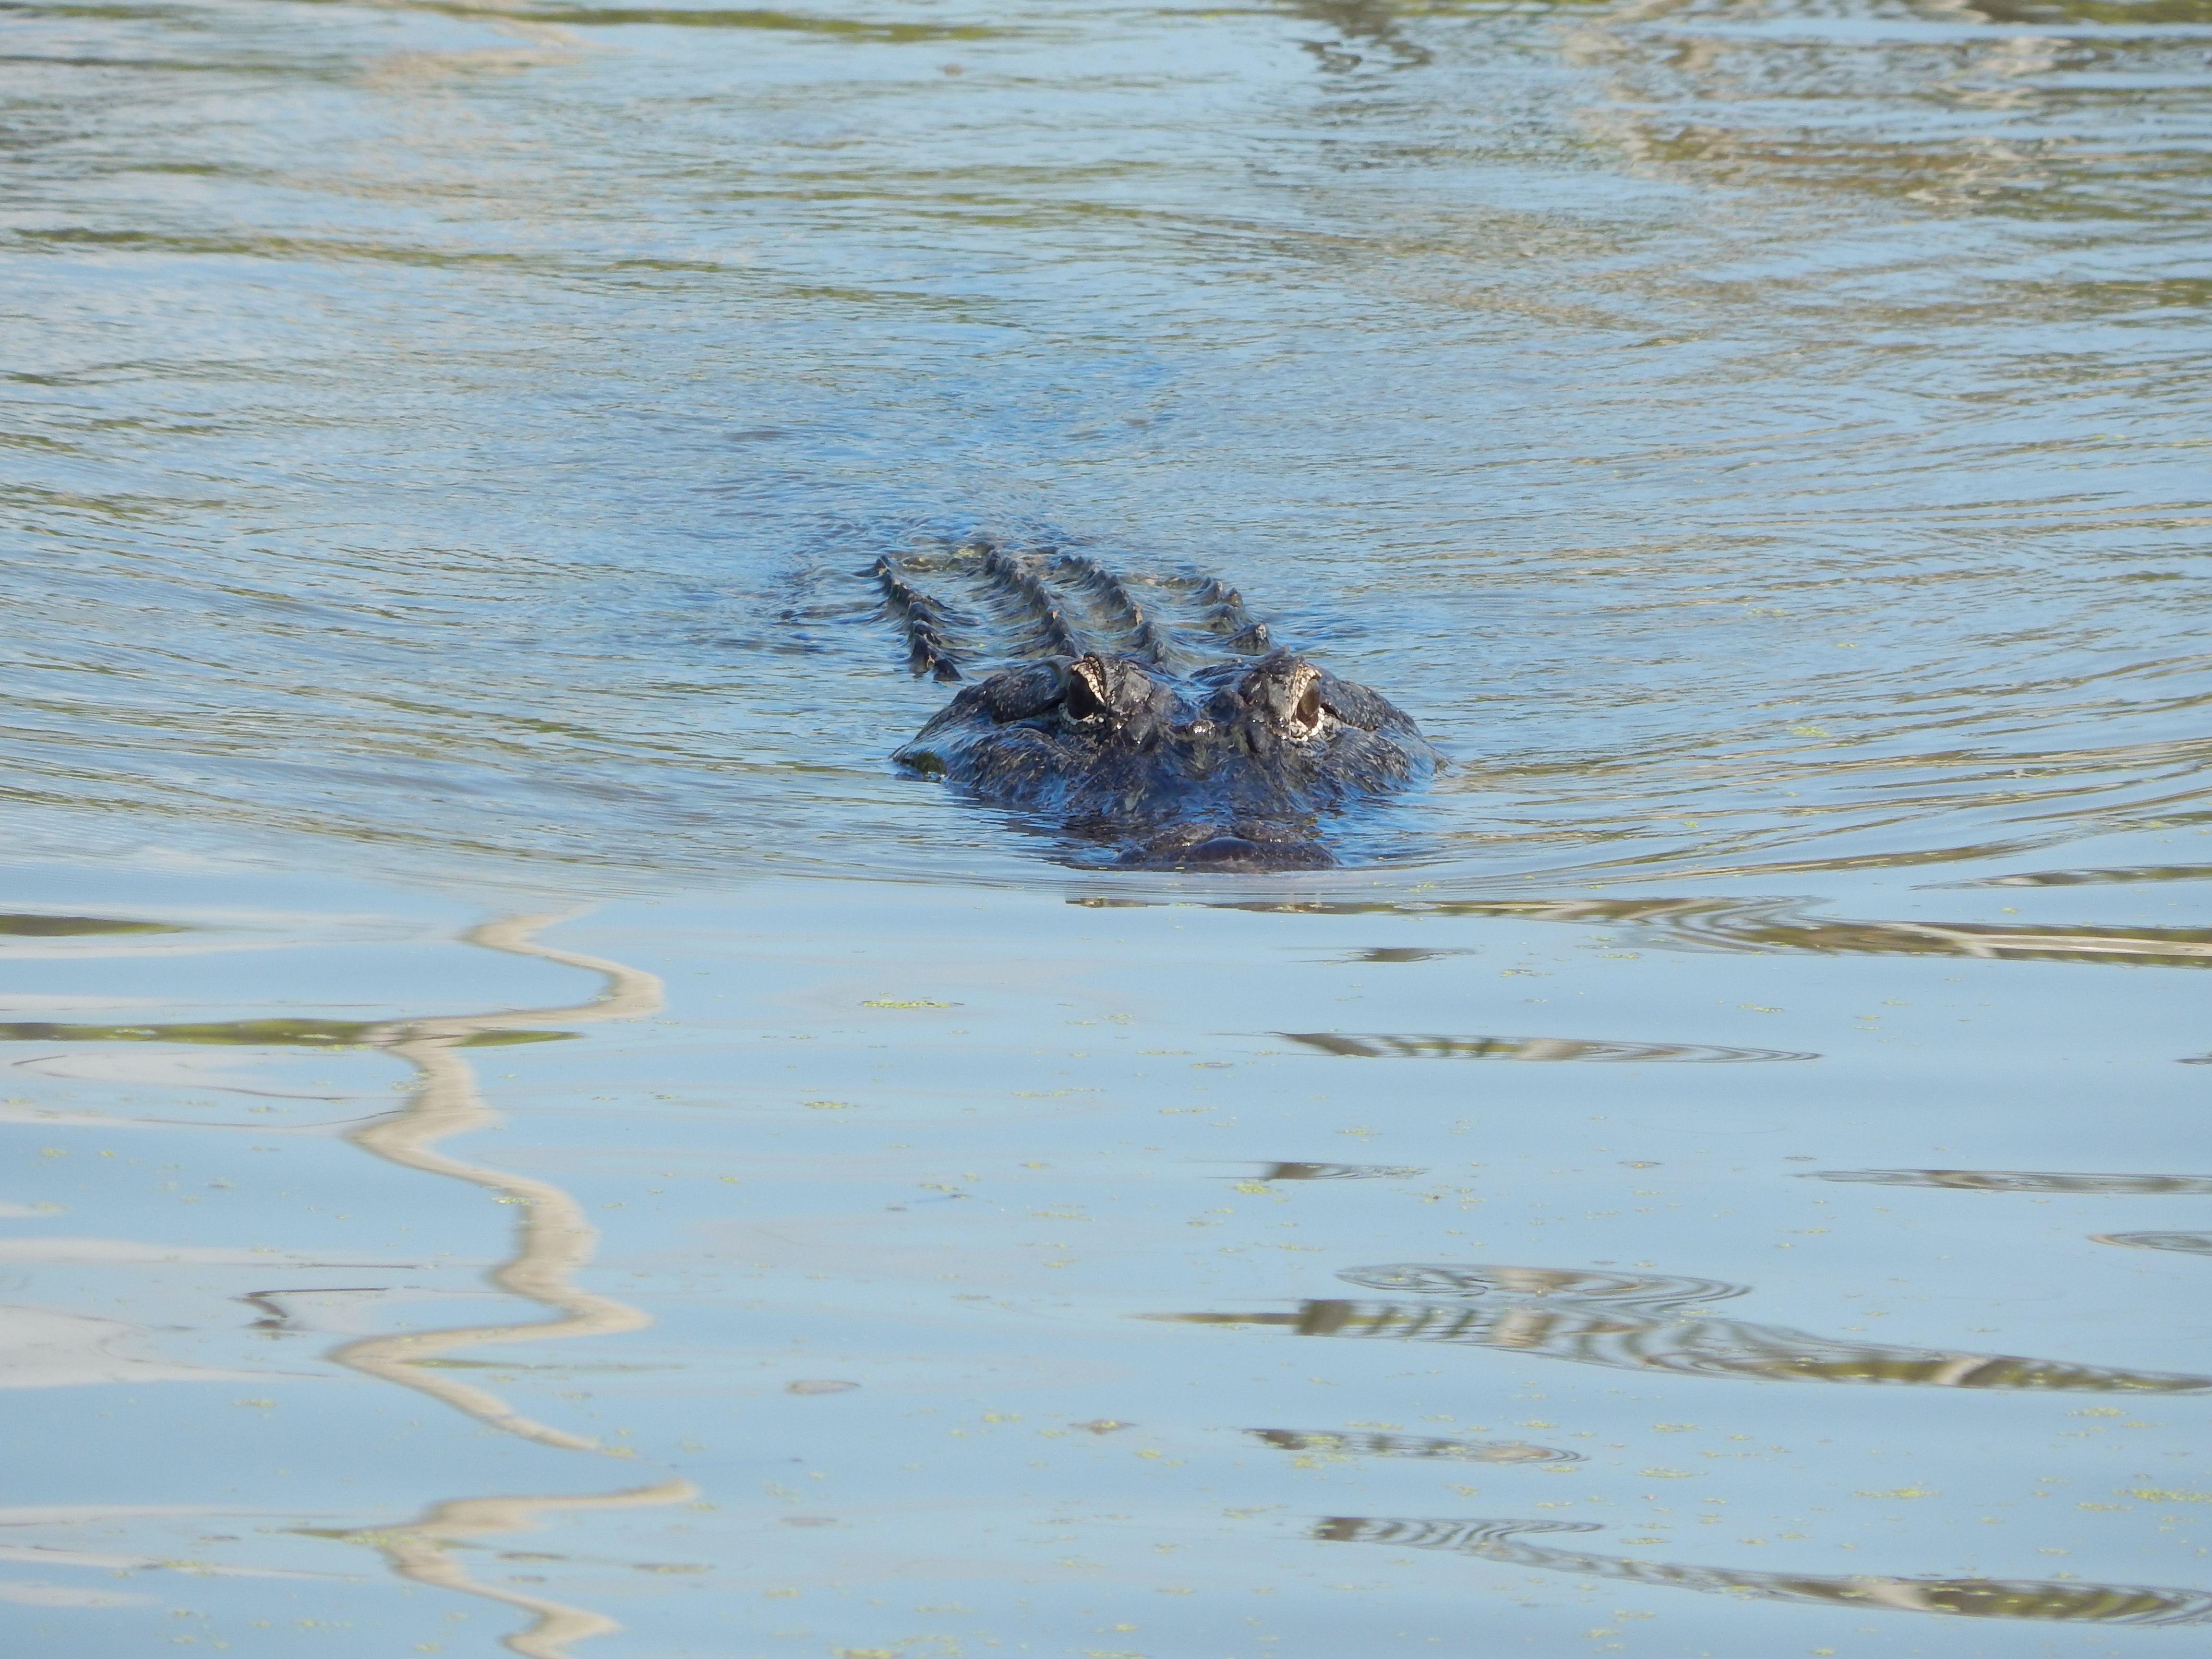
276	1317
709	17
46	1522
2001	123
19	926
1384	1046
2124	12
2021	1181
46	1348
1968	1598
1366	30
553	1241
1384	954
1763	926
307	1033
1630	1323
1651	1291
1341	1172
421	1550
1333	1444
2192	1243
2127	875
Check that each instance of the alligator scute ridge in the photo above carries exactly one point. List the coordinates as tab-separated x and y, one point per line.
1151	715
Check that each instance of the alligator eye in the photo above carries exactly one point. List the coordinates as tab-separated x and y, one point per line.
1082	700
1304	718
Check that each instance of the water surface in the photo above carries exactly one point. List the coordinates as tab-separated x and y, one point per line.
530	1136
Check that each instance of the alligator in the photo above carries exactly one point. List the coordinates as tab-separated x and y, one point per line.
1149	716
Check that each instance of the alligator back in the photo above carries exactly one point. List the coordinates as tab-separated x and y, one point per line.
974	607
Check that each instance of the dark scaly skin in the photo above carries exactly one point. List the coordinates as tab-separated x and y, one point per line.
1230	767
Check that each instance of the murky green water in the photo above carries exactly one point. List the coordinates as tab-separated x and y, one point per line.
525	1134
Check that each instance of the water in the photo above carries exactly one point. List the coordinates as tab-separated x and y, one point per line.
527	1135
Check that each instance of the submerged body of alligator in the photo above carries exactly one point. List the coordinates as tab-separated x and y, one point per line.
1148	715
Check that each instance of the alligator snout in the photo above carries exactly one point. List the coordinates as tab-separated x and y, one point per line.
1235	855
1233	849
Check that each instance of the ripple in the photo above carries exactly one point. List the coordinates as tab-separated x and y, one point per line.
1329	1442
1341	1172
2021	1181
1378	1046
2128	875
2191	1243
1780	926
1647	1291
2069	1601
1625	1323
283	1033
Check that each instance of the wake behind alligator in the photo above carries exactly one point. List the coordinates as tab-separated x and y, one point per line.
1149	715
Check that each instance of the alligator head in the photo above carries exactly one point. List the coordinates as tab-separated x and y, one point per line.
1228	768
